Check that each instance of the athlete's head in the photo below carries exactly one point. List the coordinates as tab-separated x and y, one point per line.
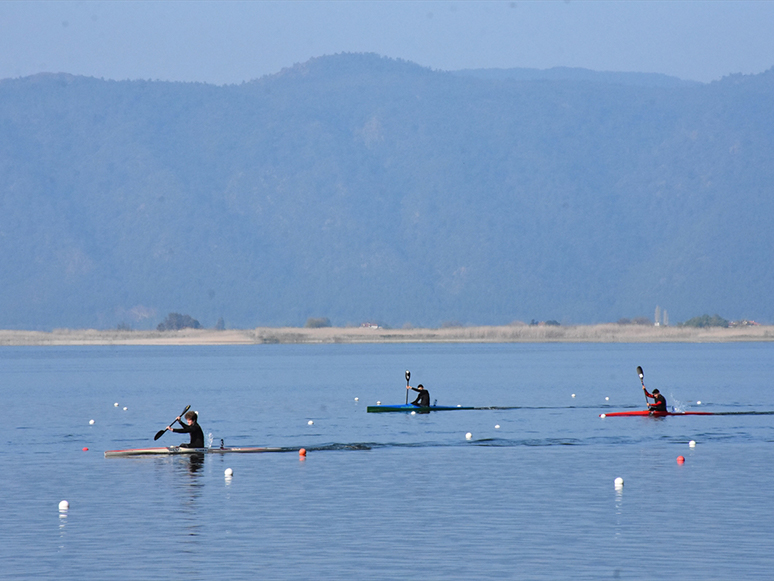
191	416
656	391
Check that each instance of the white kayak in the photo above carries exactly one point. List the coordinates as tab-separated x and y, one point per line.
172	450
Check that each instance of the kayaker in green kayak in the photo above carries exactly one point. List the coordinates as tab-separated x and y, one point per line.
193	428
423	399
659	404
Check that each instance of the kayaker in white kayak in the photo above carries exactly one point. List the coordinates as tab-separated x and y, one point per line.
423	399
193	428
659	404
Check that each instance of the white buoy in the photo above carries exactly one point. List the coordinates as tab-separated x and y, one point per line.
115	404
64	505
126	408
413	413
229	473
698	403
378	403
497	427
357	398
91	422
468	436
692	444
573	395
459	405
310	422
602	415
618	482
607	399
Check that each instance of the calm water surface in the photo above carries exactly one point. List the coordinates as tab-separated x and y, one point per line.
389	496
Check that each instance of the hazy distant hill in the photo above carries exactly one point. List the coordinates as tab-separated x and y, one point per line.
361	188
577	74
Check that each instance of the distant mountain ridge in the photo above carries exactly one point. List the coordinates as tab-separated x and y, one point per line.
579	74
361	188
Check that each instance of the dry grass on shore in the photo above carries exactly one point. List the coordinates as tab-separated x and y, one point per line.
607	333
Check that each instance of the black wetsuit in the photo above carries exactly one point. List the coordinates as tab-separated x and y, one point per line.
423	399
197	436
659	405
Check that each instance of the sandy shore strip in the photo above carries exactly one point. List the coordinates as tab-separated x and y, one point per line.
607	333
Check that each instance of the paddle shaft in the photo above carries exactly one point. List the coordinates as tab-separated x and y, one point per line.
161	432
642	382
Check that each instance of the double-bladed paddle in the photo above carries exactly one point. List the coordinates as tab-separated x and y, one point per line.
642	381
408	375
161	432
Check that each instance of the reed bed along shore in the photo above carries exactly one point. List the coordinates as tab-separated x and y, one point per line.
606	333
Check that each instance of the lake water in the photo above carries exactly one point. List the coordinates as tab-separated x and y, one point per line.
389	496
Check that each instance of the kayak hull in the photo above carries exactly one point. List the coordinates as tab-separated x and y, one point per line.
413	408
177	450
655	414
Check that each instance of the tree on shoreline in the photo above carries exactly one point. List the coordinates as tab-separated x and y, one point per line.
706	321
176	321
316	323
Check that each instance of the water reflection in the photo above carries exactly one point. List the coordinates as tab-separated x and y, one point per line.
62	524
195	463
191	487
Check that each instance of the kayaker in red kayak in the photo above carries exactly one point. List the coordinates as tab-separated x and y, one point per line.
423	399
659	404
193	428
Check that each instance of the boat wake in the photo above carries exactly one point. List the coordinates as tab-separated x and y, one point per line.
485	442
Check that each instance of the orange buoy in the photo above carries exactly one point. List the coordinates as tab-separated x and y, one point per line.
302	452
680	459
85	449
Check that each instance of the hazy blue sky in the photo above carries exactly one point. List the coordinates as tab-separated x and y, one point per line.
229	42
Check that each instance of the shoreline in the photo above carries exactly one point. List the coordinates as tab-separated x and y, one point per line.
603	333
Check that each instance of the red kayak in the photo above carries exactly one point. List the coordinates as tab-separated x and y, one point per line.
655	414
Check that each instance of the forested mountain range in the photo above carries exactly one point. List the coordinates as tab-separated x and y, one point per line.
362	188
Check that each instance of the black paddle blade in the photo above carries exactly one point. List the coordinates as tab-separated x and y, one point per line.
639	372
408	375
161	432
